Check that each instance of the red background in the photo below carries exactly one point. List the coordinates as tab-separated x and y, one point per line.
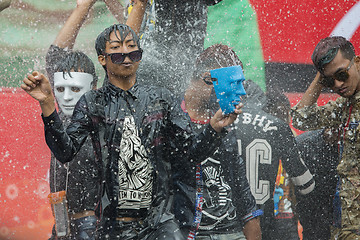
290	29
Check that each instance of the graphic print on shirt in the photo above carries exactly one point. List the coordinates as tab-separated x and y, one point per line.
135	169
258	153
217	196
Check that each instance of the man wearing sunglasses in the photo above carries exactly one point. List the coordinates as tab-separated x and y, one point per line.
339	69
137	131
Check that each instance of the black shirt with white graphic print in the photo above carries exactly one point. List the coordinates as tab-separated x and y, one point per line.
226	193
263	140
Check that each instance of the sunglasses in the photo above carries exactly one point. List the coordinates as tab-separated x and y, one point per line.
342	76
119	58
208	80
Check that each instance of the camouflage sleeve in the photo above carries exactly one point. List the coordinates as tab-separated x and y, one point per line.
316	117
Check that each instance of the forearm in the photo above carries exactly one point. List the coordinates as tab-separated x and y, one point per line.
116	9
47	106
252	230
68	33
312	93
136	15
57	139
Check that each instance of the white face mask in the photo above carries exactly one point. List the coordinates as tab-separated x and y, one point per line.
68	90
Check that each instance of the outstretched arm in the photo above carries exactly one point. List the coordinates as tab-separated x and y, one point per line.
68	33
116	9
136	15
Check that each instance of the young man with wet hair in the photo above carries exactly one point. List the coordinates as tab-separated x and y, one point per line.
71	74
228	207
338	69
137	131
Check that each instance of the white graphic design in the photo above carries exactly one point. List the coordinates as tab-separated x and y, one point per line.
348	25
217	195
135	169
258	152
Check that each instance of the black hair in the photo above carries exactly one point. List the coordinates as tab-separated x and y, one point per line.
326	50
104	36
78	62
277	103
215	56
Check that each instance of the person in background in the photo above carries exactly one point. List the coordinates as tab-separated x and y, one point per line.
277	104
338	69
320	153
285	218
229	209
71	74
263	140
137	131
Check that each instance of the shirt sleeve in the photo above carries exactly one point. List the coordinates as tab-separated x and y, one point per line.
65	143
294	164
315	117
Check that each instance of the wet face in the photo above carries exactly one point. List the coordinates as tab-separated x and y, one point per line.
117	68
68	90
347	86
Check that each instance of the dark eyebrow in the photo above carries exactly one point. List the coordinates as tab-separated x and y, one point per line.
115	41
340	69
130	40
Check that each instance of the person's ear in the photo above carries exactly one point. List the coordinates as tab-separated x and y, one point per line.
102	60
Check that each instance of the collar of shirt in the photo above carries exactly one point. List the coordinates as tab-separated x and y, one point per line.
133	91
355	99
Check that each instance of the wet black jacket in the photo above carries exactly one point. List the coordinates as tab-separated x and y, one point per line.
163	128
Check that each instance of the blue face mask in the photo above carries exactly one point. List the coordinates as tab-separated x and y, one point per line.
228	87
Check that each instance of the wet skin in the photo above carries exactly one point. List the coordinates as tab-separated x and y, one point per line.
352	84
